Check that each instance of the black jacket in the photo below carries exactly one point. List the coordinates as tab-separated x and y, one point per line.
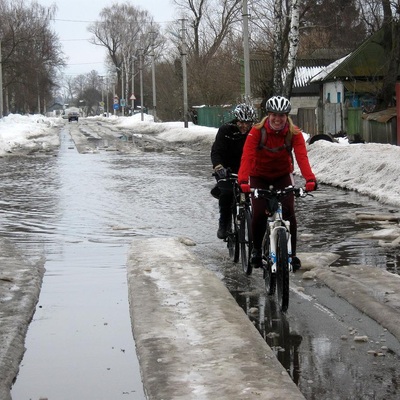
228	146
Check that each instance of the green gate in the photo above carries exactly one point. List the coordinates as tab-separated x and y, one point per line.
214	116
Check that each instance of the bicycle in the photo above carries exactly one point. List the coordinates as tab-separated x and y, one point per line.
276	244
239	239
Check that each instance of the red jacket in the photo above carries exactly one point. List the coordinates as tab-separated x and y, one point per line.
268	164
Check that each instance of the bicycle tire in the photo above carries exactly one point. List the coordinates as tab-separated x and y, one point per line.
282	267
246	241
269	277
233	241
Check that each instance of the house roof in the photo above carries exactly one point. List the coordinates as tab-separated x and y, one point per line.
324	72
381	116
369	60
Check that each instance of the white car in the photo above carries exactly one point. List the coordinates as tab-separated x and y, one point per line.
71	114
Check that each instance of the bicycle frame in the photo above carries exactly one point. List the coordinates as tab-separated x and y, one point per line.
274	222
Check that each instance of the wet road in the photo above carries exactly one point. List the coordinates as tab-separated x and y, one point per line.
81	211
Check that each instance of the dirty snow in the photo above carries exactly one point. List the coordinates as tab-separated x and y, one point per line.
370	169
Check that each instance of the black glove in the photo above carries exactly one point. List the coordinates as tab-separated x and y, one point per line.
220	172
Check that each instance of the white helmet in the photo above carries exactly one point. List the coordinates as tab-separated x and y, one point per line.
245	113
279	105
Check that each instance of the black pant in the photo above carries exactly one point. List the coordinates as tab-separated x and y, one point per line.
225	205
259	205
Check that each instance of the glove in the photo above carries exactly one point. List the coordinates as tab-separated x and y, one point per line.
220	171
311	185
245	187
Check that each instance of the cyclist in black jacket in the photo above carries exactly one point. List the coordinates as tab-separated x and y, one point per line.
226	153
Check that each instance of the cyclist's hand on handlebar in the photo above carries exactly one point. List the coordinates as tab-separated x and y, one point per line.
311	185
245	187
220	171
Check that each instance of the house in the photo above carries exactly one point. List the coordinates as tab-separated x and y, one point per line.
348	90
306	95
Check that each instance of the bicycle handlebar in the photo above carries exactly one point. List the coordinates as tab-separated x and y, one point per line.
278	193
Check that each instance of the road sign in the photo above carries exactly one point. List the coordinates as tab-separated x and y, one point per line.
116	101
122	102
116	106
132	97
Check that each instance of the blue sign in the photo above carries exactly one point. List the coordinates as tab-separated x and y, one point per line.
116	106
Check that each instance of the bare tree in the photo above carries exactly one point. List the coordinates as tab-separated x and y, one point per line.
211	25
278	47
30	55
124	30
280	33
294	35
391	43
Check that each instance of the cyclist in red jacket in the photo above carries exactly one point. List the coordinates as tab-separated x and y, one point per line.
267	160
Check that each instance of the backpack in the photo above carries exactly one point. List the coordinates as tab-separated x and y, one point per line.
288	142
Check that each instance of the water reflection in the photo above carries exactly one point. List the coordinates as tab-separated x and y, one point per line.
274	327
328	222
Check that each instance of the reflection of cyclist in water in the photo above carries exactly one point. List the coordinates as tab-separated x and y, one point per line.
275	329
282	341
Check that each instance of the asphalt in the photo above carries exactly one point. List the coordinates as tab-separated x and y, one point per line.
193	340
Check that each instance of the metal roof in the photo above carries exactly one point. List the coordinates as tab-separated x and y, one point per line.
381	116
368	60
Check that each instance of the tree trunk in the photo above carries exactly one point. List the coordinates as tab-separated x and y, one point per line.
278	48
293	47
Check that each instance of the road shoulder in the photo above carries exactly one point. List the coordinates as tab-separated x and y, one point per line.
193	340
372	290
20	284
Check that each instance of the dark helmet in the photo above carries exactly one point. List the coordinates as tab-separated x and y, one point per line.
245	113
279	105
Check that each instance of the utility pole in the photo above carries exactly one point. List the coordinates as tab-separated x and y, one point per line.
107	94
122	90
1	84
246	52
153	76
133	83
141	83
184	74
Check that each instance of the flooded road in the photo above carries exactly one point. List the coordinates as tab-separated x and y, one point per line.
81	211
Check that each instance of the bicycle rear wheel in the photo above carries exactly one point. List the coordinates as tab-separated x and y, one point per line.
282	267
233	242
246	240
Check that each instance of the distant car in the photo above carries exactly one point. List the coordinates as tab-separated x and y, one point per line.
71	114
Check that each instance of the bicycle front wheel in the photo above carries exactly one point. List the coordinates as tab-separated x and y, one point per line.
246	241
269	276
282	267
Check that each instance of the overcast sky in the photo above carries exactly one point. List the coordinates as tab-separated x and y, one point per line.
74	16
